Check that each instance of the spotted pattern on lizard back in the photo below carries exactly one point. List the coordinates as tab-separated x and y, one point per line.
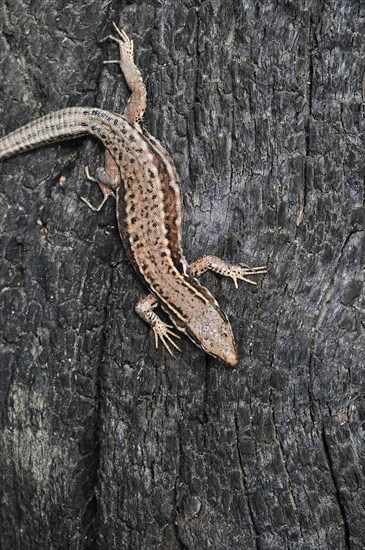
141	174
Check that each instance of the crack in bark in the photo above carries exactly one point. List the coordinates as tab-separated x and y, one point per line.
322	309
90	515
340	504
287	475
256	533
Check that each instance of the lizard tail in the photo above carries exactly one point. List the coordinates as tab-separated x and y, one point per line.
64	124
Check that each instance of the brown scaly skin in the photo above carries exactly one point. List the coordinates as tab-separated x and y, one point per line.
141	175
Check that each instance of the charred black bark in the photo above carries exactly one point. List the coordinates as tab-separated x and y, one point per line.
106	442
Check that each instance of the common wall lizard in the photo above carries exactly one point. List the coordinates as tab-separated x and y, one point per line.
141	175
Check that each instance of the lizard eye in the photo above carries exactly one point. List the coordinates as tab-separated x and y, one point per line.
206	333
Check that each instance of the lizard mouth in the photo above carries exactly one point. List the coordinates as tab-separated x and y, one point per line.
231	358
228	354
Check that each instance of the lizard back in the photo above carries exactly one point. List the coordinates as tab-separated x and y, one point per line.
149	204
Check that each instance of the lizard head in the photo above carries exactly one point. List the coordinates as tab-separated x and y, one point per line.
213	333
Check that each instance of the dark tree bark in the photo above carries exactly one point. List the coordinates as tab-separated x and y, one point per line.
106	442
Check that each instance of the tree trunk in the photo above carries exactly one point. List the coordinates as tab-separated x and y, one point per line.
106	442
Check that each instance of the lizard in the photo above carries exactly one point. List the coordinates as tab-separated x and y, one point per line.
141	175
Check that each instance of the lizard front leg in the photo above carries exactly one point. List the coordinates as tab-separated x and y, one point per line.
213	263
144	308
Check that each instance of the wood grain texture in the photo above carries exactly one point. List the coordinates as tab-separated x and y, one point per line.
106	443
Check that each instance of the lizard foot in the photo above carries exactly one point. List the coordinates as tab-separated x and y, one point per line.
241	272
104	188
125	44
163	332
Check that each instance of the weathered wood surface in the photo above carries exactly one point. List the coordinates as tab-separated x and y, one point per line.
107	443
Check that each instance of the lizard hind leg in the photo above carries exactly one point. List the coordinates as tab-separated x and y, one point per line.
136	105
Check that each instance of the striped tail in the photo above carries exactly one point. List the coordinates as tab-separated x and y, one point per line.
64	124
